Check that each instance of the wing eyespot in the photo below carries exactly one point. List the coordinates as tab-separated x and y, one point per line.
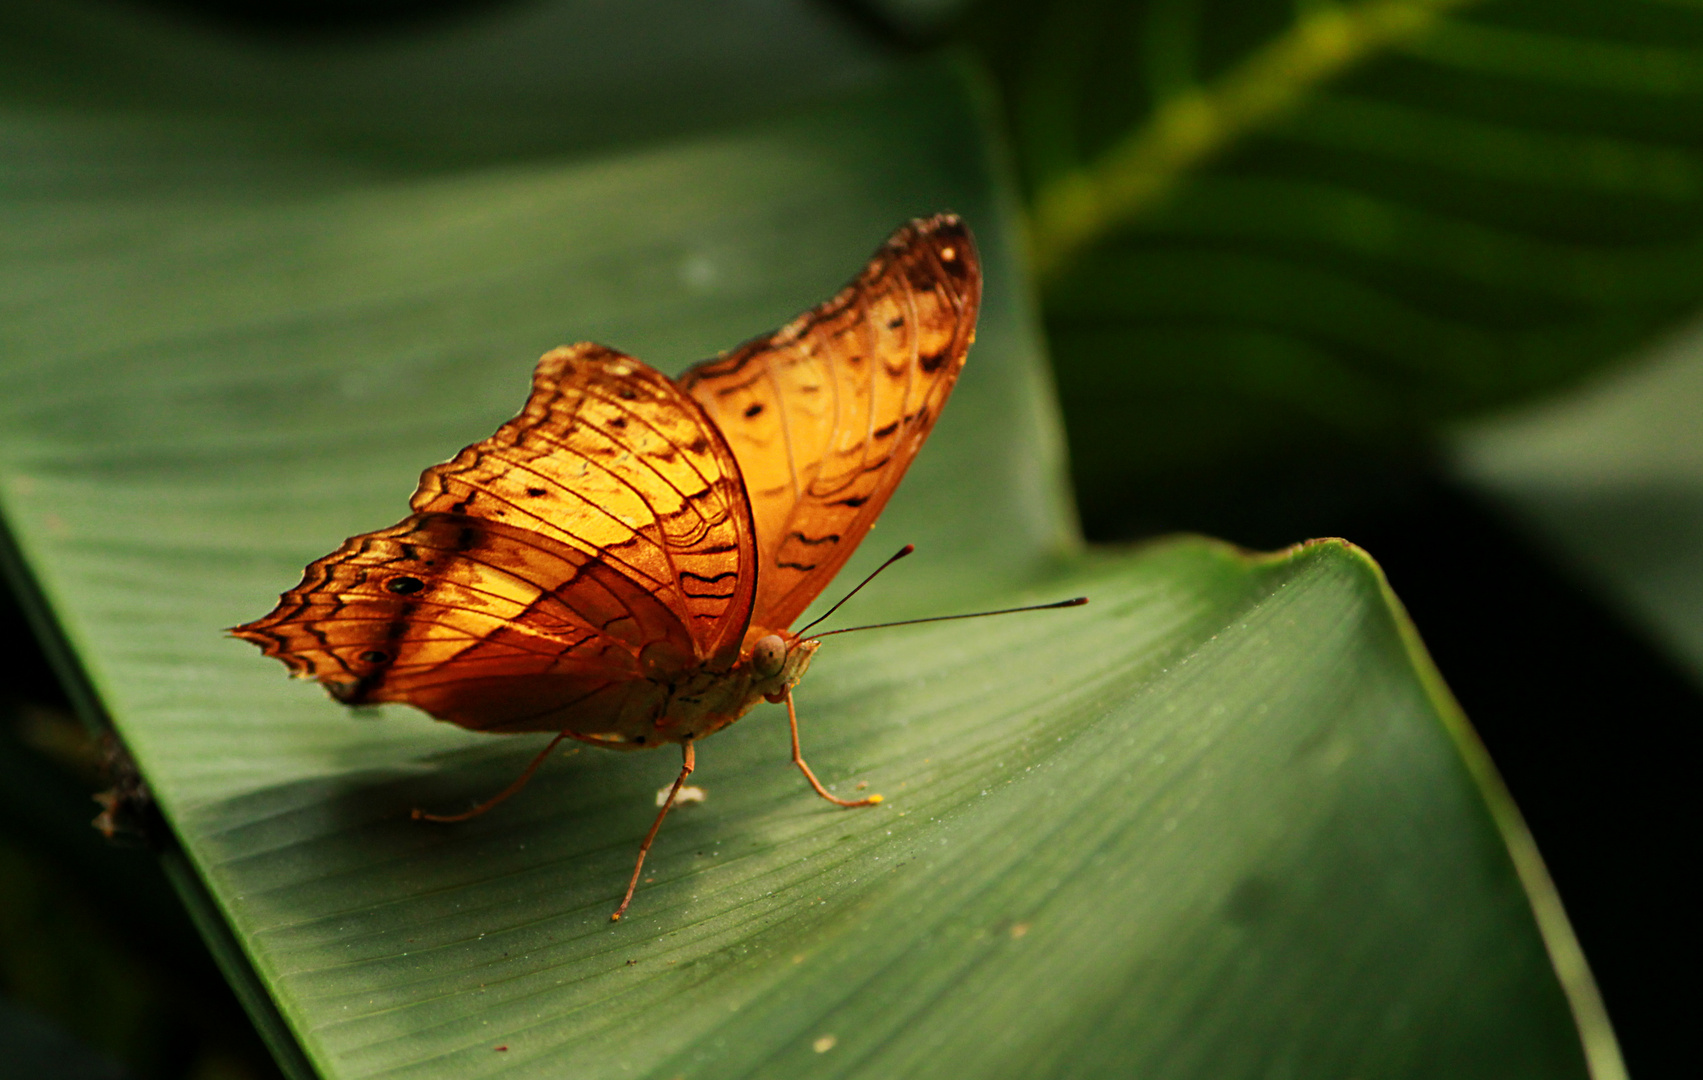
404	585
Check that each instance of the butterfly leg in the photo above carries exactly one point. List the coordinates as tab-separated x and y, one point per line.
520	782
644	848
798	759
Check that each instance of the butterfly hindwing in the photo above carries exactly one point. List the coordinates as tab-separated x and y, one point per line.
826	414
474	621
553	575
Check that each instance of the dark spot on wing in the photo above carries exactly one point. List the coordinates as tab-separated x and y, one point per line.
375	656
932	363
405	586
883	432
797	566
708	593
877	465
831	538
535	492
618	423
854	502
753	409
895	323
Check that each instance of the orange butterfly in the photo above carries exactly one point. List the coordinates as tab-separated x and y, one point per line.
621	562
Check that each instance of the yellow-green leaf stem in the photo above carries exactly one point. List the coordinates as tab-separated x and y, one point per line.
1073	211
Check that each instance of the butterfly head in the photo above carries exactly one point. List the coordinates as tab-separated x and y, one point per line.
777	663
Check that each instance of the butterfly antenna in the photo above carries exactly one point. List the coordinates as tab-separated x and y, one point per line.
1073	602
901	553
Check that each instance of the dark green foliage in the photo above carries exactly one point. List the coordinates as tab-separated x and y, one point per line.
1342	225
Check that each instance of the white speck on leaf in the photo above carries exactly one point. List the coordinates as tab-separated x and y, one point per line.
688	794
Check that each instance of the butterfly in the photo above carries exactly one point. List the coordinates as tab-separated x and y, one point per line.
621	563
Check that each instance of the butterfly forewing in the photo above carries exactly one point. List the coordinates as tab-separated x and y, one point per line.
610	458
825	414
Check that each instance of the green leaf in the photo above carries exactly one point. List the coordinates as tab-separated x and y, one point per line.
1272	225
1224	821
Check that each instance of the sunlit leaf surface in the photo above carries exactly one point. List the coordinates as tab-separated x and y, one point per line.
1222	822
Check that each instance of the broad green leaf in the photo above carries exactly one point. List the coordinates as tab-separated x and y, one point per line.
1273	225
1610	478
1224	821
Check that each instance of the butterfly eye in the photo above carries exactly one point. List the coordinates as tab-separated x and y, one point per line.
768	656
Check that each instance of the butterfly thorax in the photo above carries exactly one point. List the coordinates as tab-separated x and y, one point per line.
701	702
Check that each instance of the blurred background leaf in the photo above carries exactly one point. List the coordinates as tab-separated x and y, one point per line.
1266	228
1610	478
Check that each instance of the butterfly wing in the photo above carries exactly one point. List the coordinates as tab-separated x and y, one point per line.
825	414
609	457
476	622
597	541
